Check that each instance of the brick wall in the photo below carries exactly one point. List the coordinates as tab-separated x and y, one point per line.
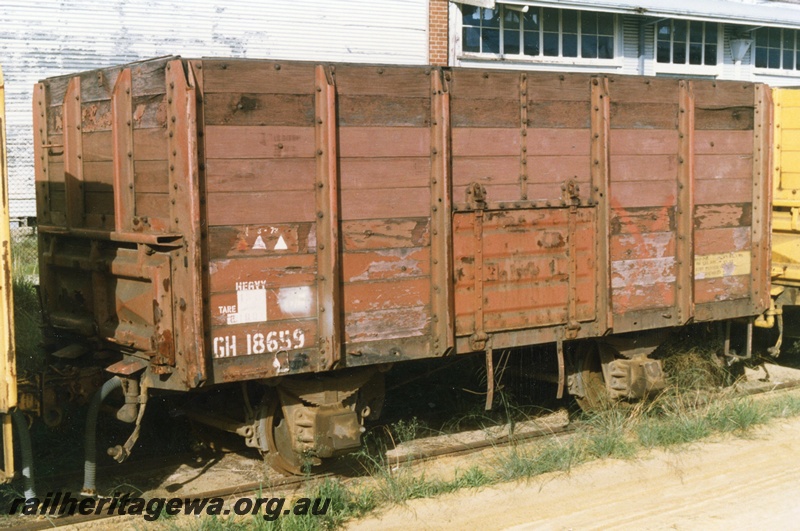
438	25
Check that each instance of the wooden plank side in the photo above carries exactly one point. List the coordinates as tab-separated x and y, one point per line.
385	234
637	194
259	142
380	325
725	118
639	298
271	272
379	80
259	77
380	203
254	208
639	89
642	220
386	264
713	142
721	289
249	109
284	303
722	191
262	240
720	94
260	175
366	142
723	215
386	295
383	110
644	168
151	176
384	172
722	240
632	115
149	144
642	246
639	142
486	142
729	166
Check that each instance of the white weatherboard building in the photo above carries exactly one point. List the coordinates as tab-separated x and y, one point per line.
55	37
754	40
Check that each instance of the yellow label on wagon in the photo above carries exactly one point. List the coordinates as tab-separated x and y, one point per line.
722	265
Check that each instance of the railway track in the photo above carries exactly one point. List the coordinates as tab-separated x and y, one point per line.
347	470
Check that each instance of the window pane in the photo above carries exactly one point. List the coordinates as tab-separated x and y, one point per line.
471	40
511	41
711	54
664	30
491	41
797	59
679	53
589	22
550	44
662	52
588	46
679	30
711	32
605	47
788	59
569	21
570	45
550	19
511	19
531	19
762	37
605	24
788	40
470	15
773	58
695	54
774	37
761	57
531	43
696	32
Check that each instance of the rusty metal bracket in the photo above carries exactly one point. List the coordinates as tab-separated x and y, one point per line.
442	298
601	131
476	199
684	214
122	134
571	190
327	208
41	154
489	379
523	132
73	155
561	368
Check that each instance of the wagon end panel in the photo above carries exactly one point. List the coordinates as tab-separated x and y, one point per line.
117	196
733	195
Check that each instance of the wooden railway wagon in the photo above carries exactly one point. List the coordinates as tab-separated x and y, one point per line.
305	225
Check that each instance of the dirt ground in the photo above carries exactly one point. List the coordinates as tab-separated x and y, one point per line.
724	484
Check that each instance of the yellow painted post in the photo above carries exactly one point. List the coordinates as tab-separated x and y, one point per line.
8	368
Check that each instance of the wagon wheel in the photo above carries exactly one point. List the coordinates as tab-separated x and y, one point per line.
590	370
275	439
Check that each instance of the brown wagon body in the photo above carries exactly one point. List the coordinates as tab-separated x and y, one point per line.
223	220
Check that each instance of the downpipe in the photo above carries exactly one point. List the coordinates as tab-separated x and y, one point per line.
90	460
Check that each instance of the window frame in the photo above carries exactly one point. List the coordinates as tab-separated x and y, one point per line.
686	67
560	59
767	71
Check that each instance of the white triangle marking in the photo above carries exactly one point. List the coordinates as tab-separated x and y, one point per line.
259	243
281	245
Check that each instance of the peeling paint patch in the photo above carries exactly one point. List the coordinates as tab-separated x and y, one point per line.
626	273
386	324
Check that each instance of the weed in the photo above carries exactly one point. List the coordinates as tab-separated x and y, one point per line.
557	455
739	415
